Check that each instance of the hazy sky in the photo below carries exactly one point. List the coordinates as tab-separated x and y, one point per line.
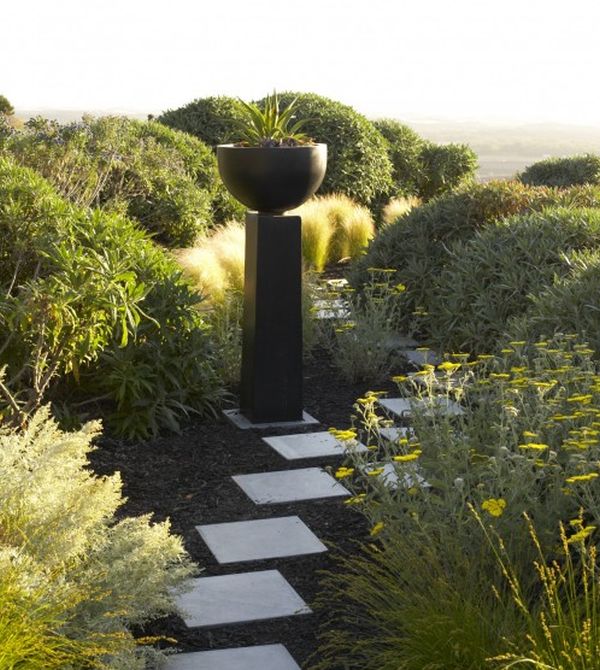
532	60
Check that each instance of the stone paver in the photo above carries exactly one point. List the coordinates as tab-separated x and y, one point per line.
311	445
236	417
239	598
261	657
390	477
401	407
290	486
260	539
394	433
418	358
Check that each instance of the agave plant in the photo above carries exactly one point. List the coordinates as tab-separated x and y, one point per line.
270	127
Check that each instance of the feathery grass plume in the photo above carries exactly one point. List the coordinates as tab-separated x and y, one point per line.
397	208
228	243
317	232
202	267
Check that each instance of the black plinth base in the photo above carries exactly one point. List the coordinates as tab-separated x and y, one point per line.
271	389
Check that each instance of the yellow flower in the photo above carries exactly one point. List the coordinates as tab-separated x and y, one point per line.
355	500
494	506
375	472
400	288
518	343
343	472
575	479
484	357
405	458
449	367
398	379
534	446
377	528
581	535
507	351
529	433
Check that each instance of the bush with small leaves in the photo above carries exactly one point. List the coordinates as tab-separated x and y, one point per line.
357	159
92	310
74	580
444	167
5	107
492	277
563	172
404	149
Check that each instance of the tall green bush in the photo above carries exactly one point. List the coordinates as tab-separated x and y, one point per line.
404	150
165	179
563	172
73	580
357	162
444	167
490	278
92	309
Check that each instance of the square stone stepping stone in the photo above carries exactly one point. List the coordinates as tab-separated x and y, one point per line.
240	598
419	358
260	539
289	486
311	445
394	433
390	477
261	657
401	407
236	417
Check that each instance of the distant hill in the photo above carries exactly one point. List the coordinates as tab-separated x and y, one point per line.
503	149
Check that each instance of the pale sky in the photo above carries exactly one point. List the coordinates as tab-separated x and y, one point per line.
528	60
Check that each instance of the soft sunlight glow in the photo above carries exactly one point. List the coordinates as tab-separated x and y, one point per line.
530	60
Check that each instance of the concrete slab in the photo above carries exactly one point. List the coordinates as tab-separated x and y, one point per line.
236	417
390	477
289	486
394	433
260	539
261	657
311	445
401	407
239	598
419	358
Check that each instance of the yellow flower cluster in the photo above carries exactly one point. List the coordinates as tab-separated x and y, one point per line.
449	367
355	500
343	472
581	535
534	446
406	458
579	479
343	435
494	506
377	528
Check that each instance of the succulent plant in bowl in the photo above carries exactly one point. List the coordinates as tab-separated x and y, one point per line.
273	167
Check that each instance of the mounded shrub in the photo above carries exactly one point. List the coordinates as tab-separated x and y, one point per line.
444	167
569	305
416	245
562	172
357	163
490	278
74	580
92	310
404	150
212	119
165	179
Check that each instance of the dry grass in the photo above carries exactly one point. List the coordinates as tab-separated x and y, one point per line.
398	207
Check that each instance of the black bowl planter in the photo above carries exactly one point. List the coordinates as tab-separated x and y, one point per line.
272	179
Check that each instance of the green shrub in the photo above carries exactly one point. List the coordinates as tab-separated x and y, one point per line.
165	179
417	244
74	580
404	151
568	305
5	107
357	163
489	279
91	309
562	172
431	593
444	167
213	119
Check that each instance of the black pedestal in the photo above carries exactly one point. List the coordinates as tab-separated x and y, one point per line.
271	388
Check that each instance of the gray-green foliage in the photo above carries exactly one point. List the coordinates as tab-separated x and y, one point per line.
73	579
491	277
165	179
569	305
444	167
357	162
563	172
404	149
91	308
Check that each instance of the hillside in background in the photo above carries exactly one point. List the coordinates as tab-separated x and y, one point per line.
502	149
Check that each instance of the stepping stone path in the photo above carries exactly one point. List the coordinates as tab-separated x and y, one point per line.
258	595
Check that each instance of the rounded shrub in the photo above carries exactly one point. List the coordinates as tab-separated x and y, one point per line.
212	119
417	244
92	308
492	277
358	163
404	147
562	172
444	167
569	305
165	179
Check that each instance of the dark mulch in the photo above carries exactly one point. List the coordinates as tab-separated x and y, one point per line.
187	478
